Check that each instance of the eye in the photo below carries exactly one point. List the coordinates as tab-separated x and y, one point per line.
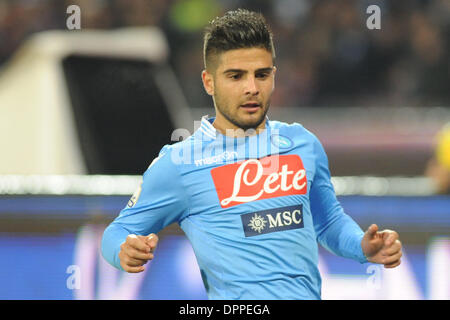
235	76
262	75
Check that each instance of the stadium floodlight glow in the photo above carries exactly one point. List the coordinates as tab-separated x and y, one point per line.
127	184
383	186
68	184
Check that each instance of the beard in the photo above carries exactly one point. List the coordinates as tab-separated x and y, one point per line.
245	124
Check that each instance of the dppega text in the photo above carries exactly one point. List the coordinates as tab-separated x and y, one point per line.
226	309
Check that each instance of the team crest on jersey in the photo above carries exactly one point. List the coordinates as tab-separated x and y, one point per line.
257	179
134	198
280	141
273	220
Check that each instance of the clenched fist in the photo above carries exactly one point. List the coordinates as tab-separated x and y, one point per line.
382	247
137	251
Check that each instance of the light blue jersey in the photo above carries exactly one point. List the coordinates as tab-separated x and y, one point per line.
253	208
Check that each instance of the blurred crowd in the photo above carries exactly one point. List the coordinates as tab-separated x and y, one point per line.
326	55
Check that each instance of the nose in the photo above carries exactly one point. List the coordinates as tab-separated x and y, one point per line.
251	87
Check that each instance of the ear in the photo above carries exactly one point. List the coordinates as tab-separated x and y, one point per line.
208	82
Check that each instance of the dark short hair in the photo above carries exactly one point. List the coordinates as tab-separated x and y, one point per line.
236	30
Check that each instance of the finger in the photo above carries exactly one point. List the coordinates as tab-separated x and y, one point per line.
126	260
132	262
152	241
393	249
392	259
389	237
393	265
137	243
136	254
372	230
133	269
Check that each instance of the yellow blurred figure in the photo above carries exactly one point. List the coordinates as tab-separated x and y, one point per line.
443	147
438	168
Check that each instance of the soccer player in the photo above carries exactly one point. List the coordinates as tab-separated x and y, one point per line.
438	167
252	195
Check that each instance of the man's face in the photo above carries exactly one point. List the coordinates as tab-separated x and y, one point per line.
241	84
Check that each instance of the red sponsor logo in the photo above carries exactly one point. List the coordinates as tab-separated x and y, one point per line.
257	179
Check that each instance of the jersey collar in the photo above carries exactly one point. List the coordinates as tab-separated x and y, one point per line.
207	131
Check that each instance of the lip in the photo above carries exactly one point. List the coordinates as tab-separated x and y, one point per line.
251	106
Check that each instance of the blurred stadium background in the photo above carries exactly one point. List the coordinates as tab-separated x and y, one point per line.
84	112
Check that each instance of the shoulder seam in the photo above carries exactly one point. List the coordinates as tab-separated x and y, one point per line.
183	186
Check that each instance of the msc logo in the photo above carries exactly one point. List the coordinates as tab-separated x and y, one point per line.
273	220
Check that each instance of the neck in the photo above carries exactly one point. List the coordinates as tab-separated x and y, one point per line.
228	129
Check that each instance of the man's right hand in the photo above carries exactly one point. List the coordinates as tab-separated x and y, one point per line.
137	251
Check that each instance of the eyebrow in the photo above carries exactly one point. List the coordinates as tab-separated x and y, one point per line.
268	69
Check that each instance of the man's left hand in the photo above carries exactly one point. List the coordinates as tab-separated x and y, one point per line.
383	247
